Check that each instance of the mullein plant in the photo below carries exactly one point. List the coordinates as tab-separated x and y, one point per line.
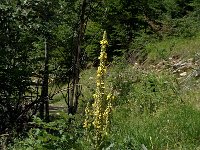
97	120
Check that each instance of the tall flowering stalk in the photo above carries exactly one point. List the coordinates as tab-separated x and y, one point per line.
98	117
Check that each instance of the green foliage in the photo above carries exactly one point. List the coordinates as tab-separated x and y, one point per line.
175	127
25	26
92	38
171	46
186	27
147	90
14	71
150	112
132	25
159	52
121	80
53	135
138	47
140	31
154	91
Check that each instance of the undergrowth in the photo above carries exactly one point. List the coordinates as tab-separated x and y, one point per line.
152	109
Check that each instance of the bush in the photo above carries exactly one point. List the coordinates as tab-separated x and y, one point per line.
58	134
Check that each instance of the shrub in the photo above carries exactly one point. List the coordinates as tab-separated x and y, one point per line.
53	135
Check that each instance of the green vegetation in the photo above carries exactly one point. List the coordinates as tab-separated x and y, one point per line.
150	109
173	46
49	53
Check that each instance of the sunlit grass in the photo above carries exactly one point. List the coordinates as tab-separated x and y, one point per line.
179	47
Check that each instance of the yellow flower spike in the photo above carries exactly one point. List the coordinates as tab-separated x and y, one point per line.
98	117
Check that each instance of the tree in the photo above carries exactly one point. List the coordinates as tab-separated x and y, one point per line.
25	26
14	69
74	90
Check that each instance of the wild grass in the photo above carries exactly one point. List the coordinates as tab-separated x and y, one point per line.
173	46
154	110
174	127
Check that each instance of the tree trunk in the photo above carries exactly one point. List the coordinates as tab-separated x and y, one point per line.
75	87
44	106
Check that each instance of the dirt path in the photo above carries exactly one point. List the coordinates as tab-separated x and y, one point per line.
55	109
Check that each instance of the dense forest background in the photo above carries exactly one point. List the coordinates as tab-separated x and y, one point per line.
46	44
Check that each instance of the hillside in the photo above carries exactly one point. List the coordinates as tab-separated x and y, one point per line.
157	102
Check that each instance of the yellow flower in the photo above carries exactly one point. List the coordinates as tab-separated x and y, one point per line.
98	83
85	124
113	97
104	42
94	95
109	96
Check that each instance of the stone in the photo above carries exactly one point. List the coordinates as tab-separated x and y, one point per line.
183	74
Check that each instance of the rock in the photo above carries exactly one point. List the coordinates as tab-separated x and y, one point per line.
197	73
179	64
144	147
183	74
